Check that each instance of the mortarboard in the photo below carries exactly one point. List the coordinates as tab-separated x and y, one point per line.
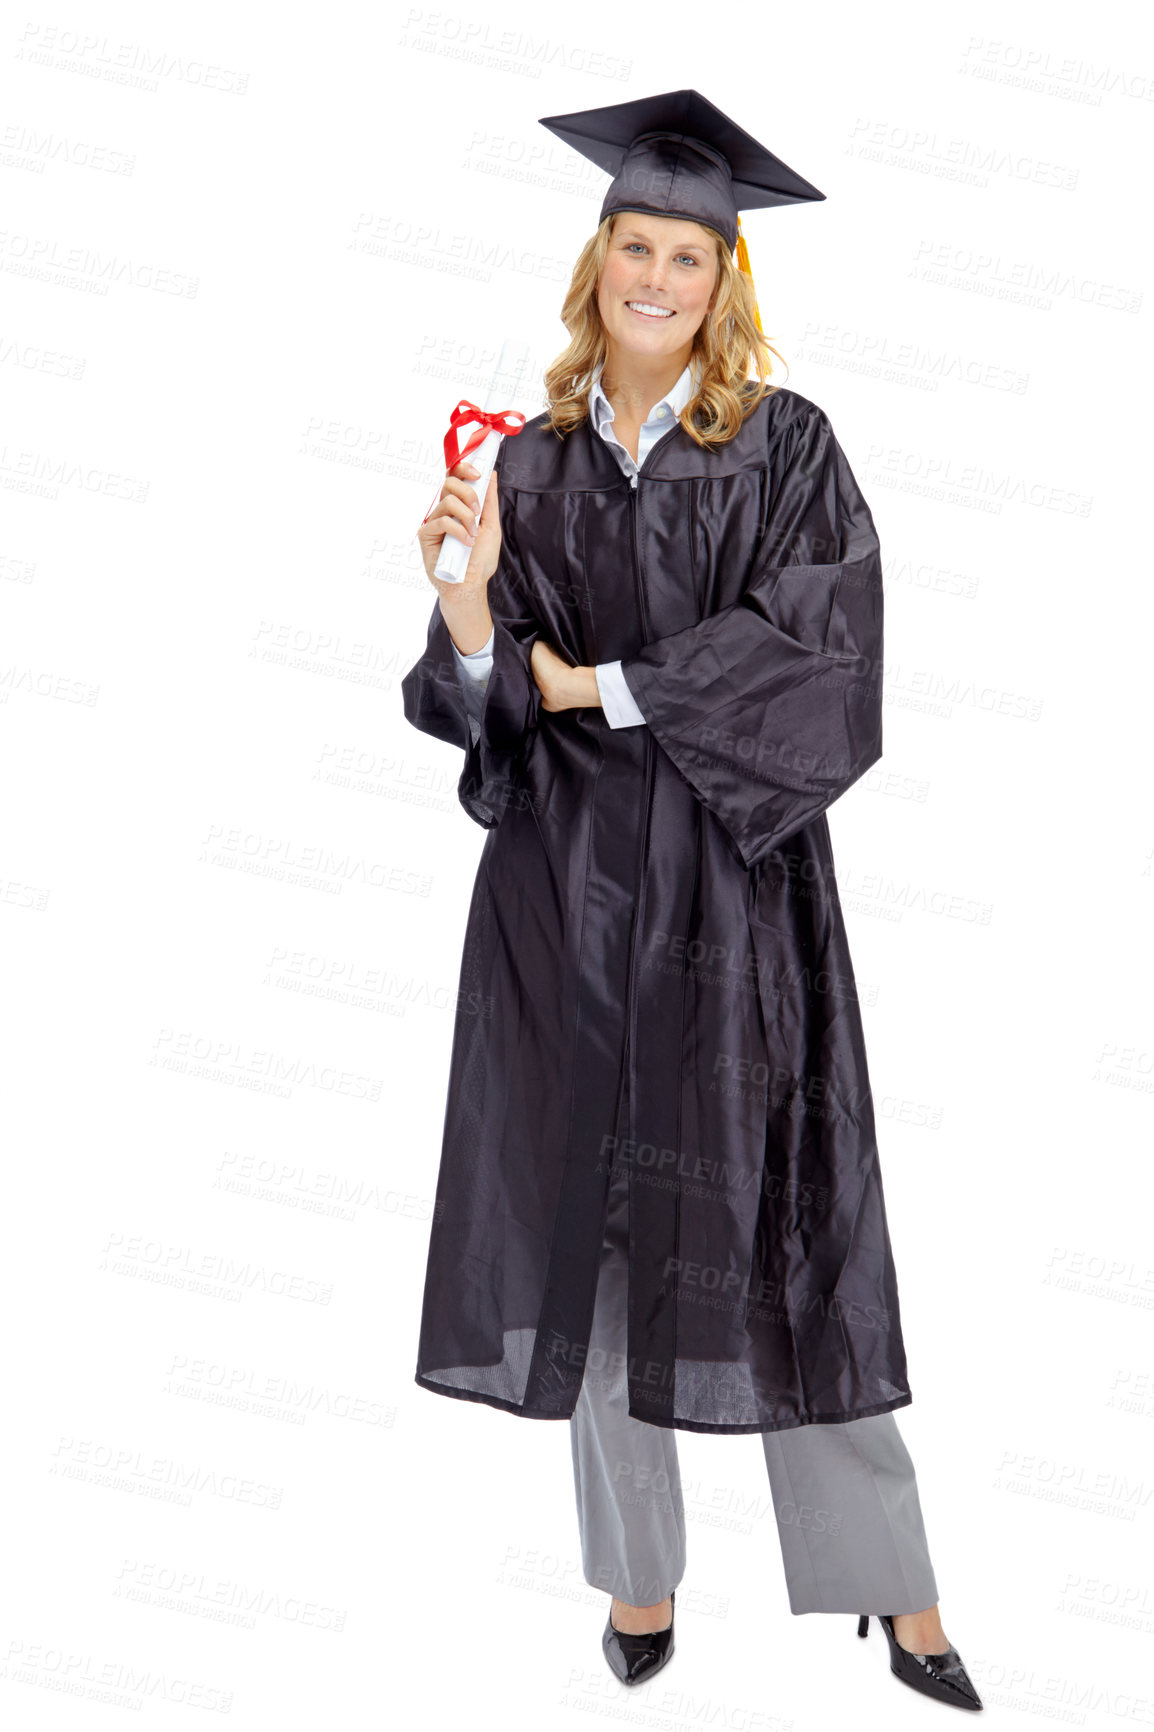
677	155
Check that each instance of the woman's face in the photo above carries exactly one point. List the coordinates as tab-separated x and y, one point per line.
662	262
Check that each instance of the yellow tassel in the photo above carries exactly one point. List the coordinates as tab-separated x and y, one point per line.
743	265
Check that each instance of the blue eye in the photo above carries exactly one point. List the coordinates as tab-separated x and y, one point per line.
631	244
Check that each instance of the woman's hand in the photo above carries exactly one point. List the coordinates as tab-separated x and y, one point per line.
464	605
456	513
562	686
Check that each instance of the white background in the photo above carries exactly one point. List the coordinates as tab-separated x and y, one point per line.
250	260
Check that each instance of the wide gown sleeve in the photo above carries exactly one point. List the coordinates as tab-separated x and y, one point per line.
772	707
493	726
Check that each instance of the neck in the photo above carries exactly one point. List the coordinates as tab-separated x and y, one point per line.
633	383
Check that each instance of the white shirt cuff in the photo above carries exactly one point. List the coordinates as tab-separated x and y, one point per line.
478	664
617	701
473	671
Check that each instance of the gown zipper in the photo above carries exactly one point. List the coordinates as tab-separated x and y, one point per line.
638	579
639	583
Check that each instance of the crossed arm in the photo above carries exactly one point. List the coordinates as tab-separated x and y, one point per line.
571	688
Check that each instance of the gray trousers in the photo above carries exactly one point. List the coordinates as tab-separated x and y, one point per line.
845	1497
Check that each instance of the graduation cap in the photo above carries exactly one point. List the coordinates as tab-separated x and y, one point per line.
676	155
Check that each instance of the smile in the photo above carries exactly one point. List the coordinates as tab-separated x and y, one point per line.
646	310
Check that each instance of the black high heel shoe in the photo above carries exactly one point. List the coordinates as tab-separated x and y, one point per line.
940	1675
635	1658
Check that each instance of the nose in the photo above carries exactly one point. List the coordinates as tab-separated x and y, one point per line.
655	276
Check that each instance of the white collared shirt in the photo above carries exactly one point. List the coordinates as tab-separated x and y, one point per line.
617	701
662	418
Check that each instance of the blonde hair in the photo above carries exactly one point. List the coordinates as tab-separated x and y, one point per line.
728	349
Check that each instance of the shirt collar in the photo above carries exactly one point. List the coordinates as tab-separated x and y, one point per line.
676	398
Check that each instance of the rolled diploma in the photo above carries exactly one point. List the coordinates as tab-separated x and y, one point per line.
453	561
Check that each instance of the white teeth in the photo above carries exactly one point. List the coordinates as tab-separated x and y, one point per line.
644	307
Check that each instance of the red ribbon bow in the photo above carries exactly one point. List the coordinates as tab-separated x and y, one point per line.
497	420
507	421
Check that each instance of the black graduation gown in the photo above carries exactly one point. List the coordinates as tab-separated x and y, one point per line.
655	966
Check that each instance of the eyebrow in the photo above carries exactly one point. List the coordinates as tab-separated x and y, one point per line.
635	235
